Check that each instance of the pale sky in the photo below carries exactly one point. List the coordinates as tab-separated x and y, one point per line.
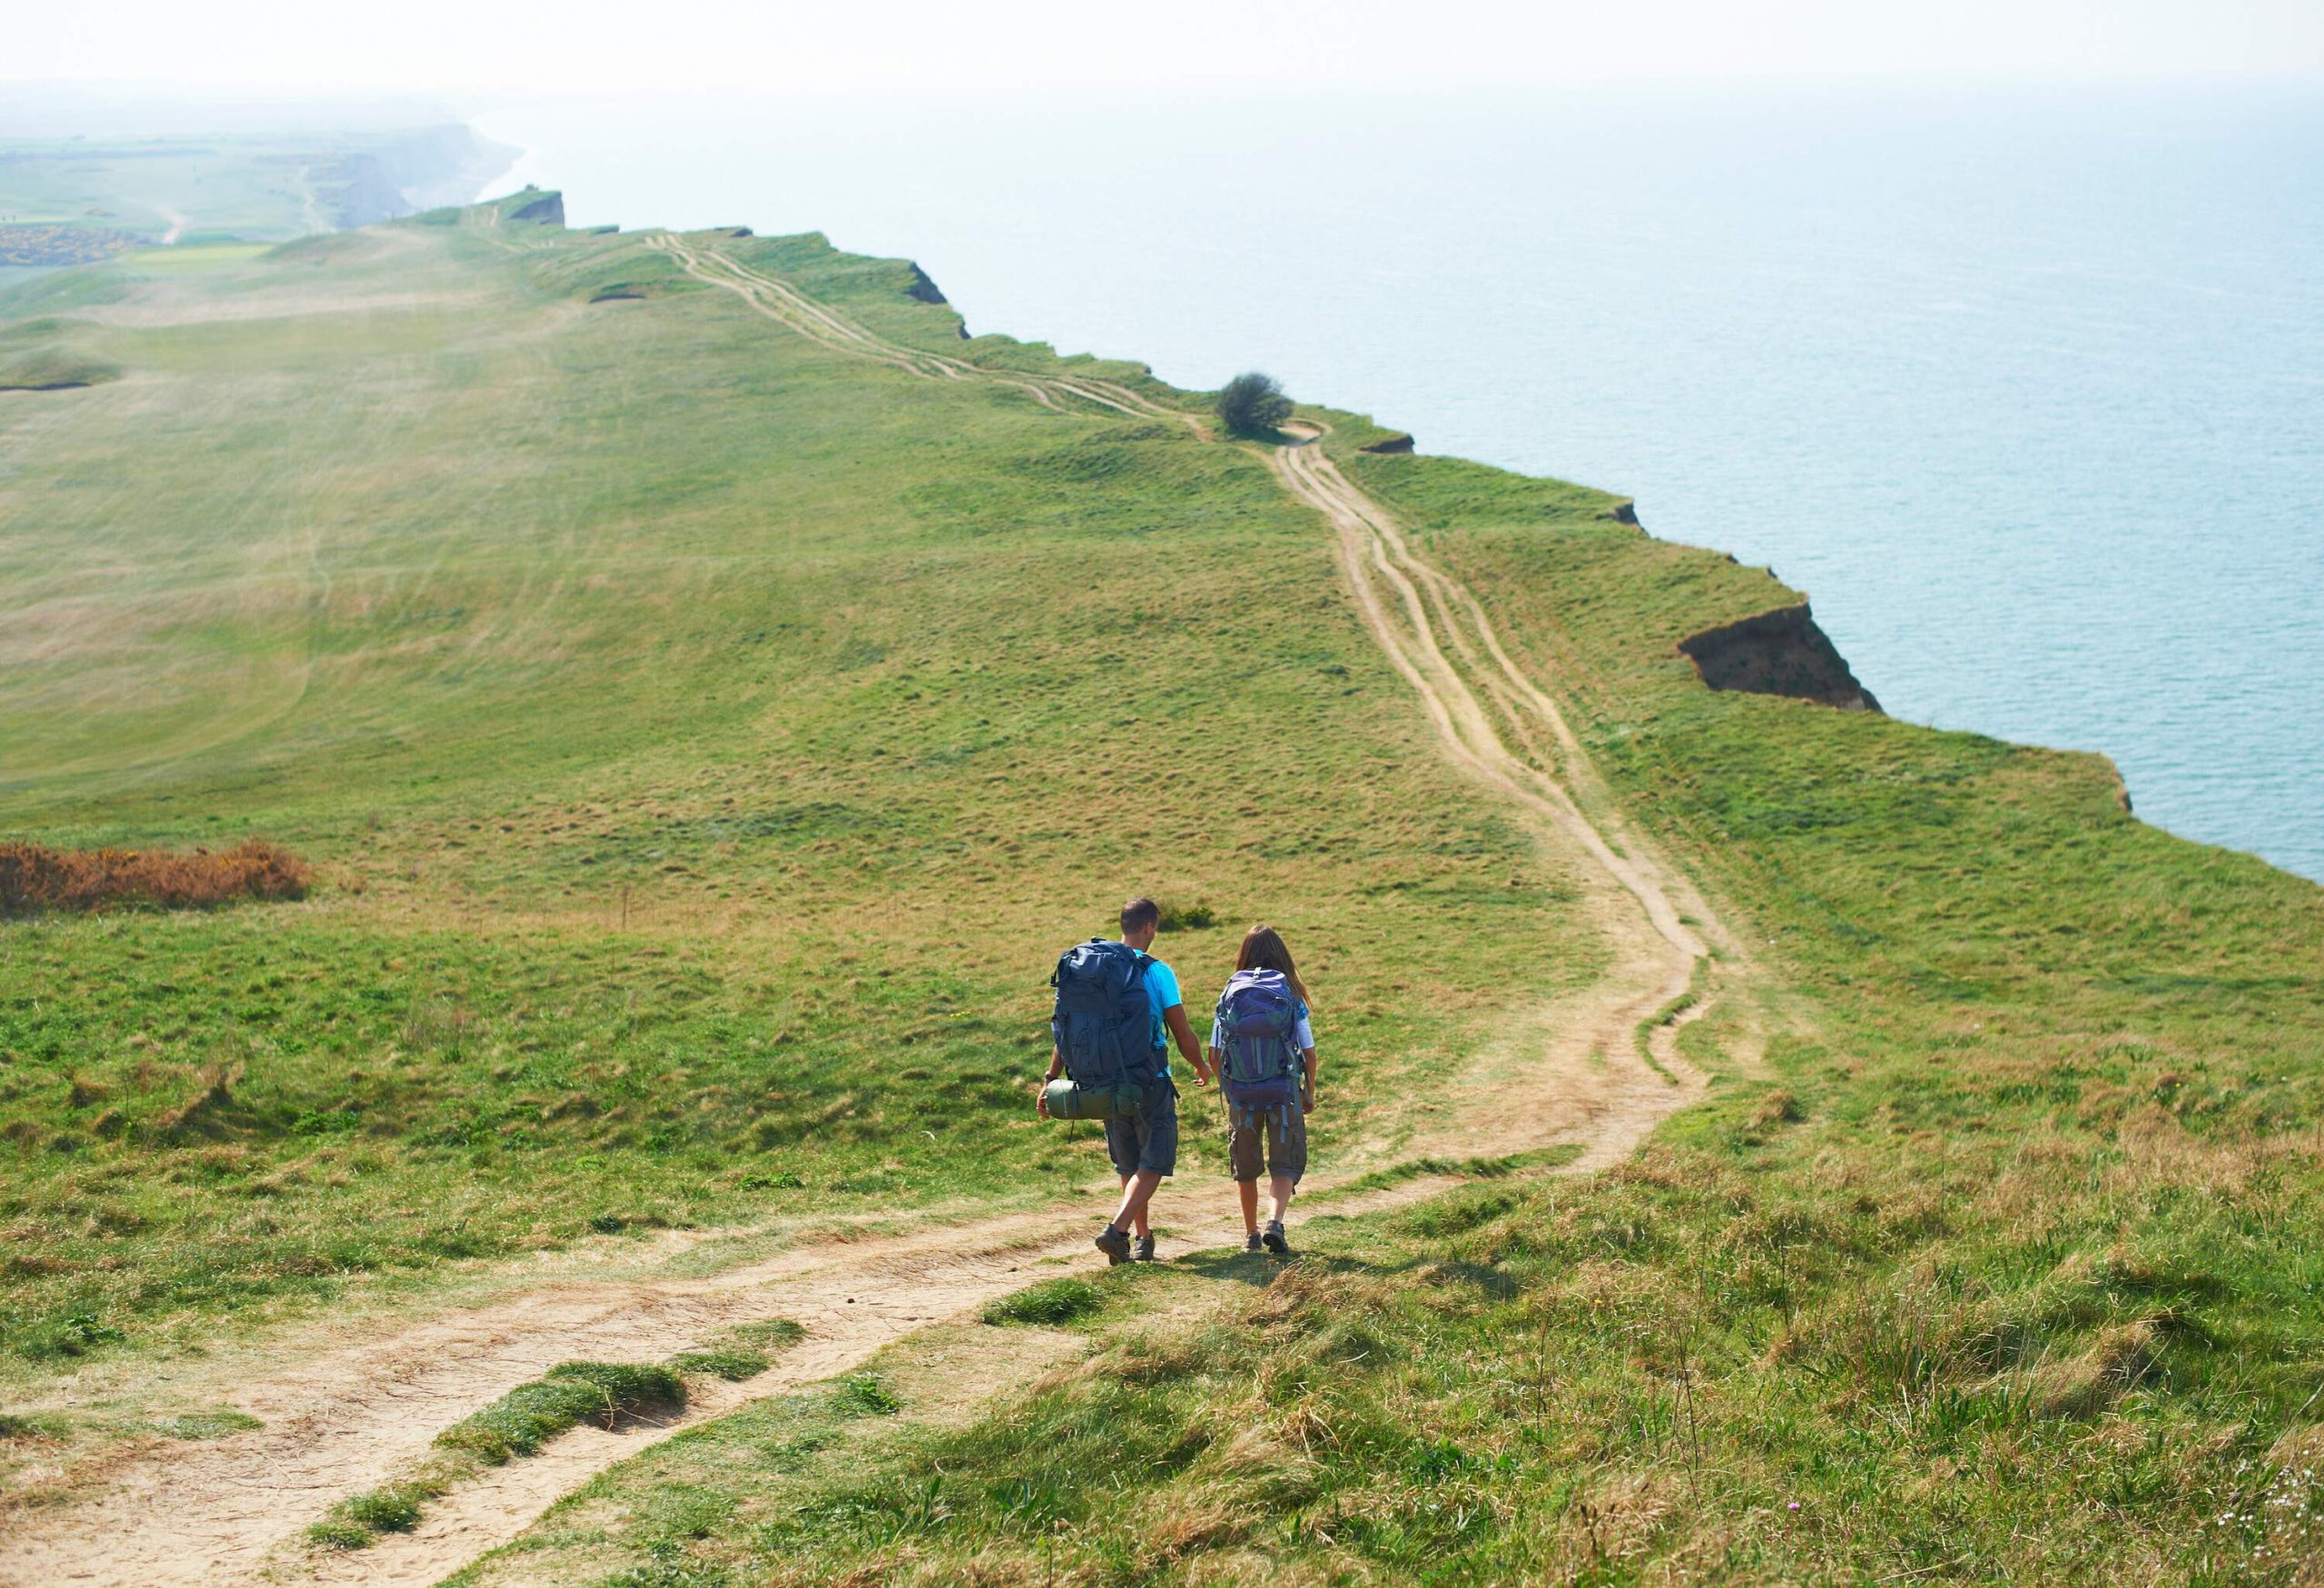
472	47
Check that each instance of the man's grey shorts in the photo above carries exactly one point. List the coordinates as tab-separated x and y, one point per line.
1148	1140
1277	1136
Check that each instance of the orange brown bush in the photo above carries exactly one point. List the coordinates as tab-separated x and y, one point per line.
34	878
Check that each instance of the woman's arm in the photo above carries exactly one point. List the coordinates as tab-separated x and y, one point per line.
1307	1062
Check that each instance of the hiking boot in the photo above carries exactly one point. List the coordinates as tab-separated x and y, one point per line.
1115	1244
1251	1241
1144	1250
1272	1239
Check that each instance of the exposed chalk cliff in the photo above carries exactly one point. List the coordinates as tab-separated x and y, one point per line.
1780	652
360	191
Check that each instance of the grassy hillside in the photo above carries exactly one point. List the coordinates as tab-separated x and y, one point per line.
2003	1267
706	742
705	735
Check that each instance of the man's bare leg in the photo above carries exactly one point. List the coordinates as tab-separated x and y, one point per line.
1137	1191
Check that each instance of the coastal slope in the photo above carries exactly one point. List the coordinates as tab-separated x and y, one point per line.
712	688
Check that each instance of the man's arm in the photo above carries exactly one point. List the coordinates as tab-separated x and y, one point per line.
1042	1097
1182	1033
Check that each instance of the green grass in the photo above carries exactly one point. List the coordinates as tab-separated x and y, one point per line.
1051	1302
707	743
520	1422
221	1424
1998	1265
1666	1372
863	1394
181	258
53	368
667	877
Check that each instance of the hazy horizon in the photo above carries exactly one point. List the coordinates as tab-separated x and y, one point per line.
271	50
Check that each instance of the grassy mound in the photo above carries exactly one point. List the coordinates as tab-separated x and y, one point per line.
520	1422
47	370
1051	1302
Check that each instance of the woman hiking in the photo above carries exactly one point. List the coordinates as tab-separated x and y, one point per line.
1264	1053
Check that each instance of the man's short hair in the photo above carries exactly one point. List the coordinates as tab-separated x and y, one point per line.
1140	913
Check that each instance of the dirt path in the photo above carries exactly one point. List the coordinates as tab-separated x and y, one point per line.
1585	1048
787	306
348	1419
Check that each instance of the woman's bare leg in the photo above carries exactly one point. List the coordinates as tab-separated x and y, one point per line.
1278	1187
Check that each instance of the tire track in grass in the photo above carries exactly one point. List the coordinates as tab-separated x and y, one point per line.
781	302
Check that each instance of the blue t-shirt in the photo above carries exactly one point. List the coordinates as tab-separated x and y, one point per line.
1162	993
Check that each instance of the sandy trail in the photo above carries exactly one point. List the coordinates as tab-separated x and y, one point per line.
352	1416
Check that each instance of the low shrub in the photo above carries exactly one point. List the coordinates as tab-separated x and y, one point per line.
34	877
1253	404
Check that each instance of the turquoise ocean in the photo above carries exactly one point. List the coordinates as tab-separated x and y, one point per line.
2024	386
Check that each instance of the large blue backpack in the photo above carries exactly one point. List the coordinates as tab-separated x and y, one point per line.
1103	1024
1260	1067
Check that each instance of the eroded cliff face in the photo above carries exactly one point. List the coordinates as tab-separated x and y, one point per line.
1779	652
548	209
920	289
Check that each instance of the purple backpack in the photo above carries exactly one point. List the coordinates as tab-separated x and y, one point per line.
1259	1069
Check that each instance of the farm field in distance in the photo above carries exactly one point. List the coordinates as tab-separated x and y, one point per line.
707	716
74	201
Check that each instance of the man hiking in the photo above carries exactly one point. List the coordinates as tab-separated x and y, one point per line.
1142	1140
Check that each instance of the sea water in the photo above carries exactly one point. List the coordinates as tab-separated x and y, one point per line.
2024	387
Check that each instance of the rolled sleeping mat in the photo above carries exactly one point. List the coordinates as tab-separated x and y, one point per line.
1069	1101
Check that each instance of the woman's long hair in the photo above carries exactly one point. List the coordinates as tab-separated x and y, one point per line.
1263	950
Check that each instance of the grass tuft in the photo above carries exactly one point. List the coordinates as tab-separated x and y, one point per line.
528	1416
861	1395
773	1334
1051	1302
732	1362
217	1425
355	1521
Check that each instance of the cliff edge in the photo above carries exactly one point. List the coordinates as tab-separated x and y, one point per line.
1777	652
